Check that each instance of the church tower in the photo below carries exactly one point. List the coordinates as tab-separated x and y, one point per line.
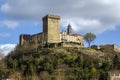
51	28
69	29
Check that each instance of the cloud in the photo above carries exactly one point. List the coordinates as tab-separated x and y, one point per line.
9	23
5	35
6	48
84	15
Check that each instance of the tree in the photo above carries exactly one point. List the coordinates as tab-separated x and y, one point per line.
89	37
116	62
1	54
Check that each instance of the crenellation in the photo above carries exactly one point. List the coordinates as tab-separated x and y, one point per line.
51	16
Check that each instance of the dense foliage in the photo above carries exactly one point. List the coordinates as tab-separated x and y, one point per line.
57	63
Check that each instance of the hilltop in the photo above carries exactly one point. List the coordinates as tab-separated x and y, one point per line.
58	64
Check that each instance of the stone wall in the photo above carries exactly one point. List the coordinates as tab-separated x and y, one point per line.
71	44
24	39
107	47
31	39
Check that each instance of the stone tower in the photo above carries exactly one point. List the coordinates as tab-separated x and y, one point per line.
51	28
69	29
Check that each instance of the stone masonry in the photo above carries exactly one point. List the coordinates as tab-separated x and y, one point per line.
51	34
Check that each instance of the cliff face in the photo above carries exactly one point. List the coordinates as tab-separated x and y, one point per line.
58	64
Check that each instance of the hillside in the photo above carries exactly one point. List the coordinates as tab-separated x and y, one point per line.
58	64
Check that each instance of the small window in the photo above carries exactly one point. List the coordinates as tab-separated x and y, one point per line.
117	74
80	44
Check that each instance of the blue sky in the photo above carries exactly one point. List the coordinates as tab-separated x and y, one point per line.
101	17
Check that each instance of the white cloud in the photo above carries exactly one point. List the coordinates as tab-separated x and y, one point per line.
4	35
9	23
87	25
84	15
6	48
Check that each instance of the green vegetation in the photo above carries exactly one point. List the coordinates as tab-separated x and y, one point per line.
1	54
58	63
89	37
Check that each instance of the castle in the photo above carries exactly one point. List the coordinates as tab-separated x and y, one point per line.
51	35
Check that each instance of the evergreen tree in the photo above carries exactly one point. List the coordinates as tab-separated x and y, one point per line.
116	62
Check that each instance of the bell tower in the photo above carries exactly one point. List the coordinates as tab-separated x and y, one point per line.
69	29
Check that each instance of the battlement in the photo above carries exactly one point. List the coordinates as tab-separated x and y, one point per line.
51	16
25	35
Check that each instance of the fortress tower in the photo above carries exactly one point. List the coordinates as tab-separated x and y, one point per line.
51	28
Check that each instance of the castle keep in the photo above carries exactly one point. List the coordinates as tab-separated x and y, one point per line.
51	35
51	28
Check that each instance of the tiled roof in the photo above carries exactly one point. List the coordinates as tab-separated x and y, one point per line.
75	35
